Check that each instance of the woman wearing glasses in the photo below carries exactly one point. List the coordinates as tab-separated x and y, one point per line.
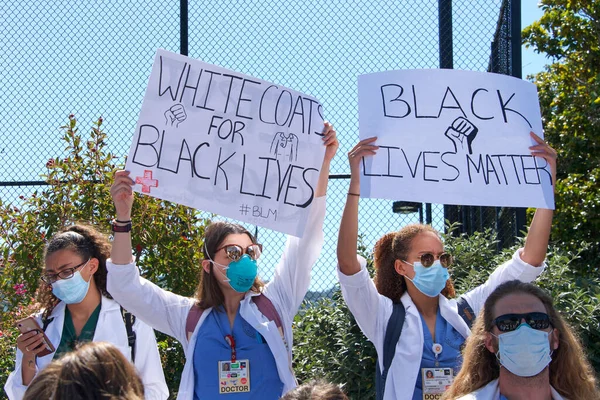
412	271
77	308
522	348
237	331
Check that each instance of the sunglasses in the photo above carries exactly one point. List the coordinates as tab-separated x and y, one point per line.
510	322
427	260
234	252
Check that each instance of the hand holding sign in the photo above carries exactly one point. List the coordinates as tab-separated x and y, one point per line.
330	140
462	130
175	115
122	195
543	150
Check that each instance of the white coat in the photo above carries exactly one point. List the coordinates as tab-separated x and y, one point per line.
491	391
167	312
373	311
110	328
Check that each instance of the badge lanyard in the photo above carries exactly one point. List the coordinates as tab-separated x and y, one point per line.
231	342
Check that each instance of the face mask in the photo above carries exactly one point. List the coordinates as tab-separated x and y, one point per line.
430	281
72	290
524	351
240	274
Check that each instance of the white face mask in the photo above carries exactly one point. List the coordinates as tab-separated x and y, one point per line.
525	351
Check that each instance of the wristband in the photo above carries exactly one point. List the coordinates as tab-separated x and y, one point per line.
121	228
122	222
353	194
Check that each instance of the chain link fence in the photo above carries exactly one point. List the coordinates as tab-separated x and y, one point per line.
94	58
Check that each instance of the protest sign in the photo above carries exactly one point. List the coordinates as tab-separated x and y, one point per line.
227	143
452	137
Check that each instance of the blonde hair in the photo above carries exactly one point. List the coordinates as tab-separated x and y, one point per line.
570	373
316	390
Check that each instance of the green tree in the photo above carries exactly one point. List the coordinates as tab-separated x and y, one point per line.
569	92
167	237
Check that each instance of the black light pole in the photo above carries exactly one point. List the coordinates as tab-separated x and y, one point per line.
446	62
516	71
183	27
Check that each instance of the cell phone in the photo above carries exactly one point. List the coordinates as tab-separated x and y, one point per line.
30	324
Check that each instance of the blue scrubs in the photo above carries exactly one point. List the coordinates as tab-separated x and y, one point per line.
250	345
451	341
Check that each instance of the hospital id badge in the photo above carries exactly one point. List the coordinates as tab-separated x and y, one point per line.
234	377
436	381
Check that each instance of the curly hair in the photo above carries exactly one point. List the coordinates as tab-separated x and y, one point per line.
86	242
570	373
396	246
208	293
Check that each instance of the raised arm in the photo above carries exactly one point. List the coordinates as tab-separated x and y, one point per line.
158	308
536	243
348	234
292	275
122	194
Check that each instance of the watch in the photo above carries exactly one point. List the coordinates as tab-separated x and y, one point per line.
121	228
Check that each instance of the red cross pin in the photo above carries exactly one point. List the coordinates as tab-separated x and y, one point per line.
147	182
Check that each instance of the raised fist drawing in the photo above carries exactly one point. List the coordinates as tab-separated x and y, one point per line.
175	115
462	131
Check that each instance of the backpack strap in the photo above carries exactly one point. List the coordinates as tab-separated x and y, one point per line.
192	320
392	335
466	312
46	322
129	320
265	306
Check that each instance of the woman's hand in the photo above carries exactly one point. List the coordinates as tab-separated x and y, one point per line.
363	148
543	150
31	343
330	140
122	195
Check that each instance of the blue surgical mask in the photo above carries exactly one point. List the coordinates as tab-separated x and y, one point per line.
240	274
524	351
72	290
430	281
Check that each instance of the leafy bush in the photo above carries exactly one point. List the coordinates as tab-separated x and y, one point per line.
166	237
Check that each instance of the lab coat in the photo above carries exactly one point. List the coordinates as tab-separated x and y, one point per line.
110	328
491	391
373	311
167	312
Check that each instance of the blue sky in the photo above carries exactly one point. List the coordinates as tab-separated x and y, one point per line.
93	58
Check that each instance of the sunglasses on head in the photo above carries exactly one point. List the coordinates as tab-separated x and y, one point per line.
234	252
510	322
427	260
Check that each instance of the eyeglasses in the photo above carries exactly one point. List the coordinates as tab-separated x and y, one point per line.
427	260
510	322
66	273
234	252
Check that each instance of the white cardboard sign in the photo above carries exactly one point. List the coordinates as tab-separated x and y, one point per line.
452	137
227	143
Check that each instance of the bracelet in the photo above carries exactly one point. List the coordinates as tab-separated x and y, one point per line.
123	222
353	194
121	228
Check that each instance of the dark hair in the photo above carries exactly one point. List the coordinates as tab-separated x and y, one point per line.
208	293
316	390
97	370
570	372
396	246
86	242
